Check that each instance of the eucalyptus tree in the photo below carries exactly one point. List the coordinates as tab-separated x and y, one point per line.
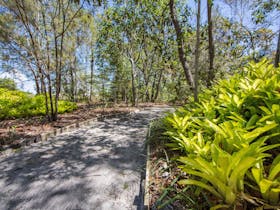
137	37
79	52
258	25
181	45
39	37
211	49
197	50
264	10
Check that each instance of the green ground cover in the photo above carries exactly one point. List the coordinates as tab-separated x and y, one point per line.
17	104
227	145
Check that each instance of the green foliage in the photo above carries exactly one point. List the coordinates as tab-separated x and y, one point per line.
66	106
8	84
16	104
226	139
269	184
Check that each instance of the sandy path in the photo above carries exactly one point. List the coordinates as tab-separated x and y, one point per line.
95	167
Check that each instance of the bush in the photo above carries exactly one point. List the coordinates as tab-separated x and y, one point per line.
229	141
16	104
66	106
8	84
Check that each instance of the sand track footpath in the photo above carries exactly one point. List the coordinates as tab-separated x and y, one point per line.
94	167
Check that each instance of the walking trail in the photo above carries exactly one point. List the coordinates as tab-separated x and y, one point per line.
95	167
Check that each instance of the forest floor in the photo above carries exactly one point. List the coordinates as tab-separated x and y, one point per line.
99	166
11	131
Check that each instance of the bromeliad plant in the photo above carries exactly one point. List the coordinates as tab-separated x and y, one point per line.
268	184
223	175
222	138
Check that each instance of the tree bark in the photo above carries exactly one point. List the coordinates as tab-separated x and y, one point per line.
72	83
36	79
277	56
158	85
91	75
133	82
197	52
180	44
211	44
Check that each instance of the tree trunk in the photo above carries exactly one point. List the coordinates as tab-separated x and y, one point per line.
72	84
44	90
180	43
197	52
277	56
91	76
53	114
133	82
153	88
36	80
211	44
158	86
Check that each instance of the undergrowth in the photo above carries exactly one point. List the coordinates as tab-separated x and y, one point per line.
18	104
226	147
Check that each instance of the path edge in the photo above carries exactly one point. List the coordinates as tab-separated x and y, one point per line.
146	191
57	131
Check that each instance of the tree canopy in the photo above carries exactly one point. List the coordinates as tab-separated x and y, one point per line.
133	51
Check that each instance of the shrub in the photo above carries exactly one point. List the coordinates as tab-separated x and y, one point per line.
229	139
8	84
66	106
16	104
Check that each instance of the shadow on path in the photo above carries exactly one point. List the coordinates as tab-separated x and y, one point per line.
96	167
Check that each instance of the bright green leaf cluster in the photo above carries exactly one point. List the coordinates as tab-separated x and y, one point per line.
226	139
15	104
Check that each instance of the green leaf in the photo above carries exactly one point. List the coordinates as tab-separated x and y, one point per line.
274	168
265	184
200	184
258	131
265	110
239	171
216	128
219	206
252	121
257	174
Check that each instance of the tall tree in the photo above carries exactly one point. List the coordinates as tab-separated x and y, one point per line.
211	49
197	51
181	45
44	27
277	55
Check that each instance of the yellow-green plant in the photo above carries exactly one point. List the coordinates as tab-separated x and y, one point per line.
269	184
223	175
15	104
222	137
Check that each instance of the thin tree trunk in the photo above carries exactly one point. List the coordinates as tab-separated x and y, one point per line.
180	43
36	79
91	76
52	114
44	90
211	43
59	70
133	82
277	56
37	86
153	88
197	52
158	86
72	84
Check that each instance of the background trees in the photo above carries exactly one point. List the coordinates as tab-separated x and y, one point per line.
132	51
